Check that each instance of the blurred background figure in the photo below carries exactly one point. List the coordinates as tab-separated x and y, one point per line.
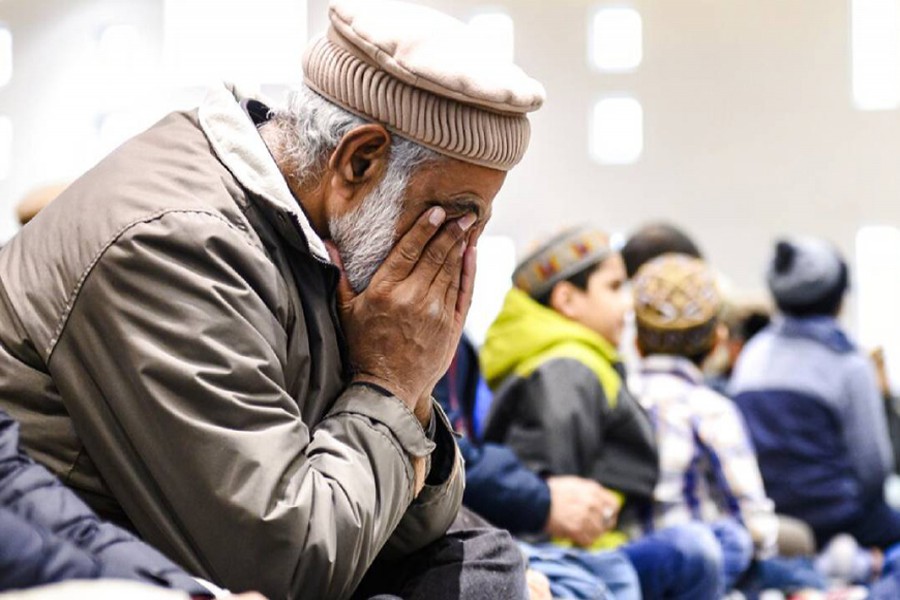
812	403
739	322
655	239
35	201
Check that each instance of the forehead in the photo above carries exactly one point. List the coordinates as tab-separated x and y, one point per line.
457	186
611	268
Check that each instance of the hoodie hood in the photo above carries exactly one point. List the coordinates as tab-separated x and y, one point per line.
526	334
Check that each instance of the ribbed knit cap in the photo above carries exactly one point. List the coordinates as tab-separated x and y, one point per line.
559	258
676	305
803	271
425	76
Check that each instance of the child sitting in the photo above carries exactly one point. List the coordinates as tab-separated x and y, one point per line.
561	404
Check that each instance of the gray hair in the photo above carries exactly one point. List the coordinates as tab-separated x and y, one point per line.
311	128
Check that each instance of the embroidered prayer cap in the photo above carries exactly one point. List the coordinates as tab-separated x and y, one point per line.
425	76
562	256
676	305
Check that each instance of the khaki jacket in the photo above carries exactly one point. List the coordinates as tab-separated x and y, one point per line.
170	346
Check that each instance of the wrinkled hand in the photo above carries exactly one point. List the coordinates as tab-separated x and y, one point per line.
581	510
403	330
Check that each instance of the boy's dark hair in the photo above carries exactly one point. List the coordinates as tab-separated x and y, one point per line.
656	239
698	358
829	305
579	280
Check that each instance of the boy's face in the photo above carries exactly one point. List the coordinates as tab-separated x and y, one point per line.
602	307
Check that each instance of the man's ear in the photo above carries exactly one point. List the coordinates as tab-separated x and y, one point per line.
563	299
360	158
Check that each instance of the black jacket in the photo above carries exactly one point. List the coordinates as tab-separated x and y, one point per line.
47	534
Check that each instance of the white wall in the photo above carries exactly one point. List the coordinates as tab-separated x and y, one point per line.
64	88
750	129
57	96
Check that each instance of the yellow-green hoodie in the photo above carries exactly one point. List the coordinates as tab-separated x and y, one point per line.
560	403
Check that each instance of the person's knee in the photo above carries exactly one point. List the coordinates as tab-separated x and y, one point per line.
698	550
737	548
494	566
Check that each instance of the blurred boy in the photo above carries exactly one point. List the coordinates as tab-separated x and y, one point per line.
708	471
562	406
812	403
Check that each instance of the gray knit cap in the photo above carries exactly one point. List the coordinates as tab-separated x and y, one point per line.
803	270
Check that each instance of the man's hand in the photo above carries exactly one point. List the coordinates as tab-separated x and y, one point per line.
581	510
402	331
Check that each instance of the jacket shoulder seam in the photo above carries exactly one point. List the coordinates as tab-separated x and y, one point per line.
79	284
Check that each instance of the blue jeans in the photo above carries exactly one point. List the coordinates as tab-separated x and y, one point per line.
888	586
737	549
781	573
683	562
584	574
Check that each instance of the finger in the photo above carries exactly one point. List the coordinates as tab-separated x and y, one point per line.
467	283
406	253
445	285
443	248
345	293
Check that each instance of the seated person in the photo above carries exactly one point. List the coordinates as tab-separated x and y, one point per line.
708	470
503	490
562	407
225	335
643	245
551	359
812	405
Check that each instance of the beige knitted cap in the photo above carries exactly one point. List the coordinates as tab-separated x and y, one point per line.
427	77
676	305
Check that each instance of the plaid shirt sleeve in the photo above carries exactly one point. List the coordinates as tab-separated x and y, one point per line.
721	432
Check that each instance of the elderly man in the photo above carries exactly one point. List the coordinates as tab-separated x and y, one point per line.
226	334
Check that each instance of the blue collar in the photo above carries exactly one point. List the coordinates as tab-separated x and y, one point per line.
824	330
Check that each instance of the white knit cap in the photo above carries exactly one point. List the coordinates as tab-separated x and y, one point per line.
427	77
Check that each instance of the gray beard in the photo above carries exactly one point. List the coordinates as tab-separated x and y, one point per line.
365	236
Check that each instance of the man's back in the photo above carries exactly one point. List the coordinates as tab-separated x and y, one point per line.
113	235
171	349
796	384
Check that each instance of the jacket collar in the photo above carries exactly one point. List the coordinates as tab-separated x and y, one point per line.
824	330
672	365
524	329
238	145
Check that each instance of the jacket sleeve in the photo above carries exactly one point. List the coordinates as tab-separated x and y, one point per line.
561	400
498	486
172	364
503	490
50	535
865	427
436	506
32	556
